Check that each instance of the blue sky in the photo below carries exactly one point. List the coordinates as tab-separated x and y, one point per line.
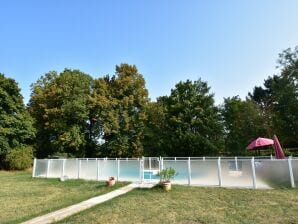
233	45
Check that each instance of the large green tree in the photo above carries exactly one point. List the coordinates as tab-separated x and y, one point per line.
279	99
243	122
192	121
16	127
59	105
155	133
119	104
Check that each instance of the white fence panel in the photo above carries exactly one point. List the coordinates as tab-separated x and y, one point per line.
41	168
129	170
181	167
55	168
204	172
295	171
88	169
71	168
107	168
272	173
236	173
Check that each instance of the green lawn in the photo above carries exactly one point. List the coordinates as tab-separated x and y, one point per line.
196	205
23	197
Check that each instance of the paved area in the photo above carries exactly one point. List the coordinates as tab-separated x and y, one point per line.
71	210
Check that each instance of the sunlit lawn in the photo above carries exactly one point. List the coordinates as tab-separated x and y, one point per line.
23	197
196	205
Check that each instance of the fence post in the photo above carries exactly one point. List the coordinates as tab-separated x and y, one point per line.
97	173
118	169
291	171
34	167
48	167
150	174
63	168
189	171
236	163
86	168
161	164
141	170
77	162
219	172
79	168
253	173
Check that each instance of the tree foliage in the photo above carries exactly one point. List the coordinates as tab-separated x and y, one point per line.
279	99
119	106
192	122
243	122
15	122
77	115
155	133
59	105
19	158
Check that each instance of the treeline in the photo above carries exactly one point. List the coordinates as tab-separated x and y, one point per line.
72	114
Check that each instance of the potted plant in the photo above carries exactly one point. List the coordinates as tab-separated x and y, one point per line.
111	181
166	175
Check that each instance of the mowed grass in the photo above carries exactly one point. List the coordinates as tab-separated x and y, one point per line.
23	197
195	205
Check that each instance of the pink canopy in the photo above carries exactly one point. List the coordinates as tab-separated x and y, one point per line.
260	142
279	154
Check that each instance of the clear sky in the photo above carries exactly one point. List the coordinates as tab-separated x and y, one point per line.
233	45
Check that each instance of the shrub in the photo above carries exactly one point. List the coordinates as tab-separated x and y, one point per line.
19	158
167	174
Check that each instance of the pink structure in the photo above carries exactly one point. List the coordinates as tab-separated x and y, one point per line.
279	153
260	142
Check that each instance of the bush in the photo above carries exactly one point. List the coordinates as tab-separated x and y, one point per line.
19	158
167	174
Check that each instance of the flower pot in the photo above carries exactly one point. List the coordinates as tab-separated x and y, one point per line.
167	186
111	182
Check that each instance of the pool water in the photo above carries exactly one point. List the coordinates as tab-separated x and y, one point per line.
150	175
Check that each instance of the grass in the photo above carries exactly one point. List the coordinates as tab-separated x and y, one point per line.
195	205
23	197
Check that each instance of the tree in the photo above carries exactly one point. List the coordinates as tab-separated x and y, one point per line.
155	133
16	128
243	122
193	125
59	105
279	98
118	104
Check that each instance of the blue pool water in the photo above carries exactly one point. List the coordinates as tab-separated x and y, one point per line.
150	175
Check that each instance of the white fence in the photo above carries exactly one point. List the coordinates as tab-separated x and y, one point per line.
198	171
